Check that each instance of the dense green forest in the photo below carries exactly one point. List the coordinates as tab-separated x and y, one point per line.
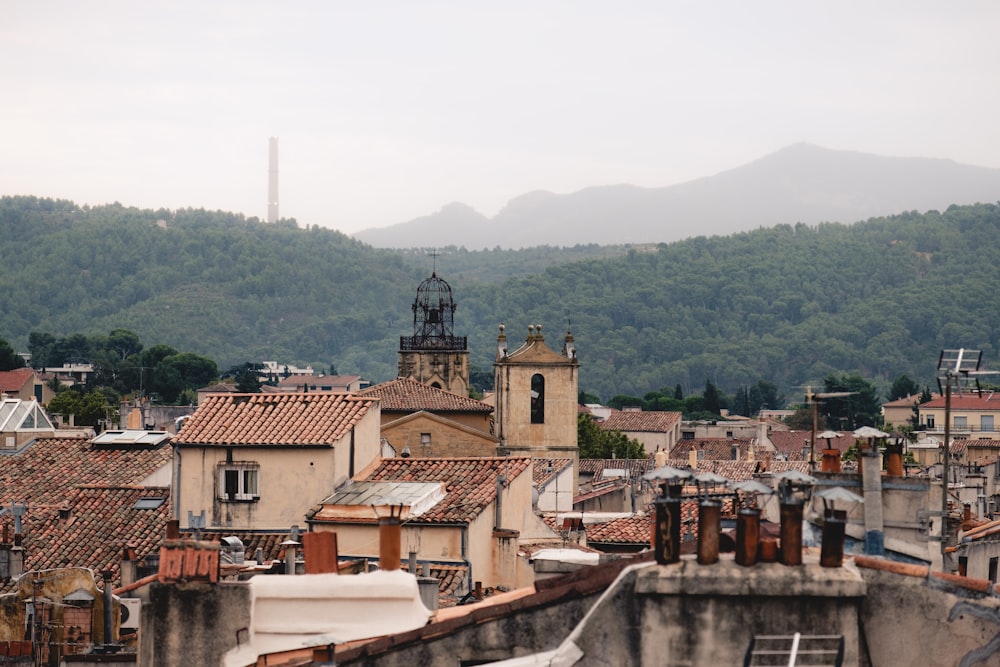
788	305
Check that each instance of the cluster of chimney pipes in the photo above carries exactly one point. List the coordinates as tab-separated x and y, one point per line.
750	547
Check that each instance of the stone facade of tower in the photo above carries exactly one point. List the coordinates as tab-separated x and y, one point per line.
536	392
434	355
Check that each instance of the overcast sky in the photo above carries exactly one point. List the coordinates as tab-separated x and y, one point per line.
386	111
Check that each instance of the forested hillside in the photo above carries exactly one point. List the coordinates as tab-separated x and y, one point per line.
785	304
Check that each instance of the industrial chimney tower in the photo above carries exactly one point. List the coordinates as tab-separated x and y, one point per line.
272	180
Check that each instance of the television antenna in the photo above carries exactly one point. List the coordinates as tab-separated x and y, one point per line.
958	369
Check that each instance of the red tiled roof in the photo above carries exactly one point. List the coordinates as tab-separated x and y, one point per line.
13	381
273	419
980	443
791	443
907	401
646	422
634	529
92	527
47	470
470	483
268	542
736	471
966	401
408	395
540	473
635	467
598	492
712	449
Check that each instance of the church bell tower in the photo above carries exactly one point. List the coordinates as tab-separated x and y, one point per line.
434	355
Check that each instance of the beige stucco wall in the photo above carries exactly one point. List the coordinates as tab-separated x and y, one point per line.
446	441
973	419
291	479
651	441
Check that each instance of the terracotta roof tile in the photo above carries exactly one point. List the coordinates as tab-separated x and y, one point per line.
791	443
408	395
966	401
711	449
636	421
273	419
634	529
48	469
268	542
93	525
635	467
13	381
540	473
470	483
981	443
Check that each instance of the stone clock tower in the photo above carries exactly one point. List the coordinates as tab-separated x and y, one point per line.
434	355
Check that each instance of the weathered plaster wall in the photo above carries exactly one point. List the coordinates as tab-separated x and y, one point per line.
911	620
193	625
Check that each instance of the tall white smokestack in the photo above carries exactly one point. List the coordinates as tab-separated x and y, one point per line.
272	180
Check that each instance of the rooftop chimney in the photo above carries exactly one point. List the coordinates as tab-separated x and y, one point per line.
320	552
390	531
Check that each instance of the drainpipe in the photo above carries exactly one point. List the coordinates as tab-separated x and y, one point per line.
498	519
109	625
176	481
350	465
465	556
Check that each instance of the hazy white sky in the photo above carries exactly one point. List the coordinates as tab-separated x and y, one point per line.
386	111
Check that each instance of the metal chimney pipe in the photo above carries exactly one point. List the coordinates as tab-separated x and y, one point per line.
667	530
747	536
832	548
894	460
709	527
791	533
830	461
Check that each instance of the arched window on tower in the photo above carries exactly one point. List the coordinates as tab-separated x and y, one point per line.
537	399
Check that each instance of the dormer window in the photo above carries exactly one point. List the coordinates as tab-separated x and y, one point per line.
238	481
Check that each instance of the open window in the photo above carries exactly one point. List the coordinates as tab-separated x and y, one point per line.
238	481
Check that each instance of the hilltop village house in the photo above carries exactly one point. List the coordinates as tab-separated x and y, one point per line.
421	420
258	461
473	513
972	416
25	384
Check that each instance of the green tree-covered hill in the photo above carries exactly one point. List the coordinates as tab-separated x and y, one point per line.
789	304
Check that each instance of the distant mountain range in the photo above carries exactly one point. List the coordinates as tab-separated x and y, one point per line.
800	183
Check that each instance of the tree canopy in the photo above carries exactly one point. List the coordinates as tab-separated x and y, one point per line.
787	305
597	443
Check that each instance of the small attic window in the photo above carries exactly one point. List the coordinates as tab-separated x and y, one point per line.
149	503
